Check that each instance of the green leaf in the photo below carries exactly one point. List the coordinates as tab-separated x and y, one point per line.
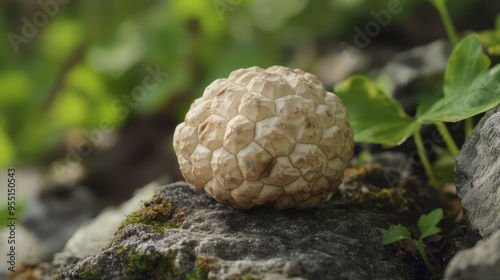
374	116
395	233
491	38
385	83
427	223
470	87
60	38
428	98
7	154
16	88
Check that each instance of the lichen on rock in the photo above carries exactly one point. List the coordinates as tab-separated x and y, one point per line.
218	241
478	173
158	213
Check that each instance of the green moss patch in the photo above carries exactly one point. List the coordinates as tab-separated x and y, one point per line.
369	189
246	277
158	214
203	266
88	274
156	266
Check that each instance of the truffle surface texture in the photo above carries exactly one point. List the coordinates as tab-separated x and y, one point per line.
271	137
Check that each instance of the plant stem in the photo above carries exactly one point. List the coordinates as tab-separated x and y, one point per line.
450	143
448	25
469	126
421	250
425	161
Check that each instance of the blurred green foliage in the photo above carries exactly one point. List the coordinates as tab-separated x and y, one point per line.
491	38
88	54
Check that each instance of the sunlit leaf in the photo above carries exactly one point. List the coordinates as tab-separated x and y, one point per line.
470	87
16	87
69	110
60	38
210	14
385	83
374	116
83	101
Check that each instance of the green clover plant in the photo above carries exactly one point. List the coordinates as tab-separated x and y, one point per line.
428	226
470	87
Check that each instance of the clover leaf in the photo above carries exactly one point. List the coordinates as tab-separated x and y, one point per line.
394	233
469	87
427	223
373	115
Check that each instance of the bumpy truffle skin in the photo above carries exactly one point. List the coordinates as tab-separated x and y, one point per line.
271	137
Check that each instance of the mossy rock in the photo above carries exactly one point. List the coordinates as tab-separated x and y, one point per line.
158	213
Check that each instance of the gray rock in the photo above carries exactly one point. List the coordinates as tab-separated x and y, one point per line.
56	214
324	243
418	62
478	172
480	262
397	161
415	71
95	234
27	248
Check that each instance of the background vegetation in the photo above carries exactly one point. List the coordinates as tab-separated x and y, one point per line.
75	71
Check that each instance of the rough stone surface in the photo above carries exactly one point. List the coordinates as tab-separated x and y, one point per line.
56	214
416	63
415	69
254	134
28	246
480	262
323	243
478	175
95	234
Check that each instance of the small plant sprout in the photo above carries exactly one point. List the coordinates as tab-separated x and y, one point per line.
428	226
470	87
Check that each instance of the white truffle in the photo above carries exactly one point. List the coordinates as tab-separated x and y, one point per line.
271	137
